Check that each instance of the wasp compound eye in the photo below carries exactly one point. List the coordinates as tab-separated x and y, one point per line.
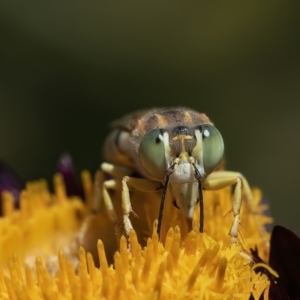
152	153
212	147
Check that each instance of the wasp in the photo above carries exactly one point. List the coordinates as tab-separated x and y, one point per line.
175	150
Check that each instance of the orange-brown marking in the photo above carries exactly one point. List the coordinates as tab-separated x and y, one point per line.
182	137
187	118
162	122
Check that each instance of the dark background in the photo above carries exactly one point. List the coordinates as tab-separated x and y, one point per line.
68	69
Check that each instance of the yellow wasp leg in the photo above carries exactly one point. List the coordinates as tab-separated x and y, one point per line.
112	184
115	171
125	183
101	194
141	184
101	185
220	179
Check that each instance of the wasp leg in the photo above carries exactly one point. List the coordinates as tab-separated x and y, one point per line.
220	179
140	184
101	187
112	184
126	183
117	173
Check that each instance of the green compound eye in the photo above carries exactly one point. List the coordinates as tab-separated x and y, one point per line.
213	147
152	153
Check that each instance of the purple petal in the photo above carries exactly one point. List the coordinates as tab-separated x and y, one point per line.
285	259
10	181
275	293
257	259
65	167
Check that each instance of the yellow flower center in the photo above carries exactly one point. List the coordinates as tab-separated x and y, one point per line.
40	258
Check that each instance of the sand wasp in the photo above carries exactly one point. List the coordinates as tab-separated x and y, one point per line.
168	149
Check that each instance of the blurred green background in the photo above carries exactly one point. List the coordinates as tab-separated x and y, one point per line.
69	68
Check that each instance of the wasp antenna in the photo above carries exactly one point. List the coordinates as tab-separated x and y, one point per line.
163	198
201	206
200	200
